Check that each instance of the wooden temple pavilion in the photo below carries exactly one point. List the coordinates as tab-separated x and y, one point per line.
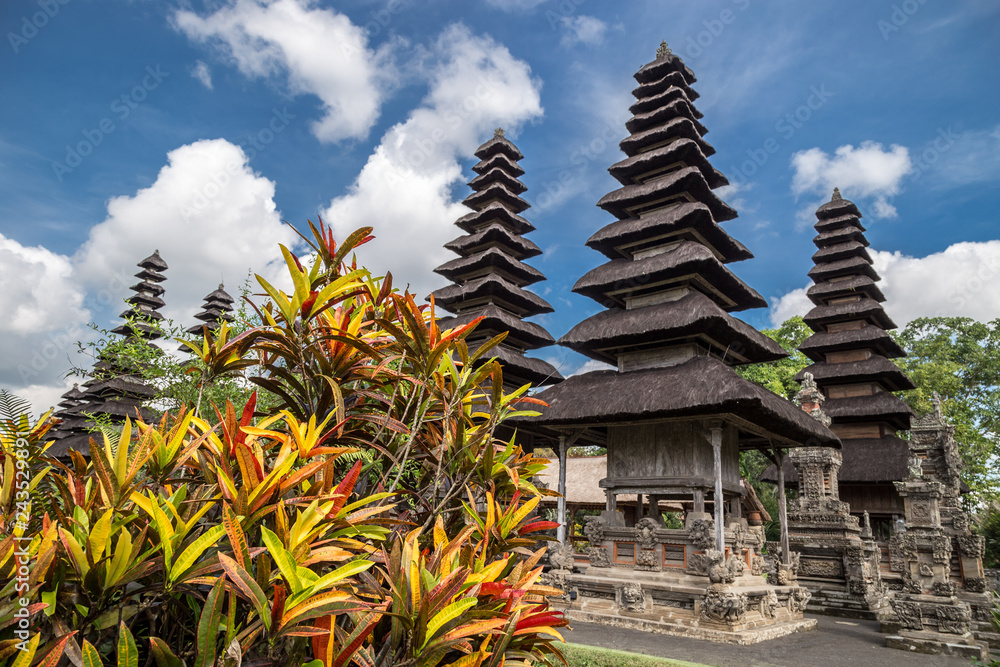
674	415
489	276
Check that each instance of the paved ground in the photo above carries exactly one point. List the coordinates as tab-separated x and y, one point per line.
836	642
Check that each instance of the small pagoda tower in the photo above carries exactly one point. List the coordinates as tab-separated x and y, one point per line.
217	308
490	275
674	415
114	392
852	366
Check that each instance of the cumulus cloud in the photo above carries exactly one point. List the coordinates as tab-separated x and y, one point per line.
38	293
202	73
405	189
959	281
582	30
869	173
319	51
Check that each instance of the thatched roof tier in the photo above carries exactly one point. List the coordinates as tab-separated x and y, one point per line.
866	460
670	94
839	251
663	66
498	175
154	262
683	151
674	129
687	263
122	385
71	397
872	338
146	286
495	235
849	221
692	317
822	292
674	79
686	184
498	144
139	329
498	160
492	289
151	276
863	309
874	369
654	117
492	260
685	221
843	267
840	236
701	387
837	207
494	213
518	369
881	406
145	300
496	192
220	295
522	334
213	315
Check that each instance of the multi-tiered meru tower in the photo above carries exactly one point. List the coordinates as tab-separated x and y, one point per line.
674	415
217	307
490	275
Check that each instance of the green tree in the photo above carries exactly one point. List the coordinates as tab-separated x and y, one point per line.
779	376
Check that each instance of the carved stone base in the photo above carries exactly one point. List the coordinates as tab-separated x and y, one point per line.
937	644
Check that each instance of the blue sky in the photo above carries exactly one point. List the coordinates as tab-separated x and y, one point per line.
196	127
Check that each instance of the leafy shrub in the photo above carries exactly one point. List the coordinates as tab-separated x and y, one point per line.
371	518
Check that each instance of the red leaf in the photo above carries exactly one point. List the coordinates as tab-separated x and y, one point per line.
246	417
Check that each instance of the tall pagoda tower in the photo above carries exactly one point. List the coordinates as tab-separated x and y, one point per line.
490	275
114	392
217	307
674	415
852	353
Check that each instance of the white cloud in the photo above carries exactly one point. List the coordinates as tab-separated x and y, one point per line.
210	216
515	5
38	294
582	30
321	52
202	73
404	190
591	365
868	172
956	282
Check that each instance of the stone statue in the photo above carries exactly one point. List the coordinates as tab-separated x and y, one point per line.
724	606
561	557
645	532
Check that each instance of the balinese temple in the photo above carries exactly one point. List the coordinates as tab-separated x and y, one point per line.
490	275
674	415
113	392
216	309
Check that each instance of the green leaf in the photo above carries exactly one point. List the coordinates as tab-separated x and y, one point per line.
208	625
91	658
248	586
284	559
128	656
195	550
162	654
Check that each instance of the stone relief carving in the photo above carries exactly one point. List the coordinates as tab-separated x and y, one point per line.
821	568
630	597
598	557
648	561
972	546
909	614
975	584
724	606
722	570
953	619
960	522
757	565
783	575
798	598
556	579
645	532
768	604
698	565
594	530
925	570
561	557
945	588
941	545
740	535
702	533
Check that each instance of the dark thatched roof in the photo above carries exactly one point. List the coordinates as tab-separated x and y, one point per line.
495	212
702	387
822	292
500	160
517	272
865	308
148	287
495	235
691	316
519	369
678	107
837	207
688	220
645	90
673	129
874	369
145	301
496	288
843	267
866	460
151	276
154	262
682	150
844	250
688	261
498	175
849	221
526	335
496	192
878	407
687	182
661	67
816	346
839	236
669	95
498	144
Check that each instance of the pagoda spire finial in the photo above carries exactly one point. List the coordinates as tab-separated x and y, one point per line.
498	133
836	195
663	51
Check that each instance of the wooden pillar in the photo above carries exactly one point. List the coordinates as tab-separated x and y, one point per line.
640	510
786	557
561	505
699	501
654	508
609	500
719	503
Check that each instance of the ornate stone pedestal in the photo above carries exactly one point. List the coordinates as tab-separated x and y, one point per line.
674	582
